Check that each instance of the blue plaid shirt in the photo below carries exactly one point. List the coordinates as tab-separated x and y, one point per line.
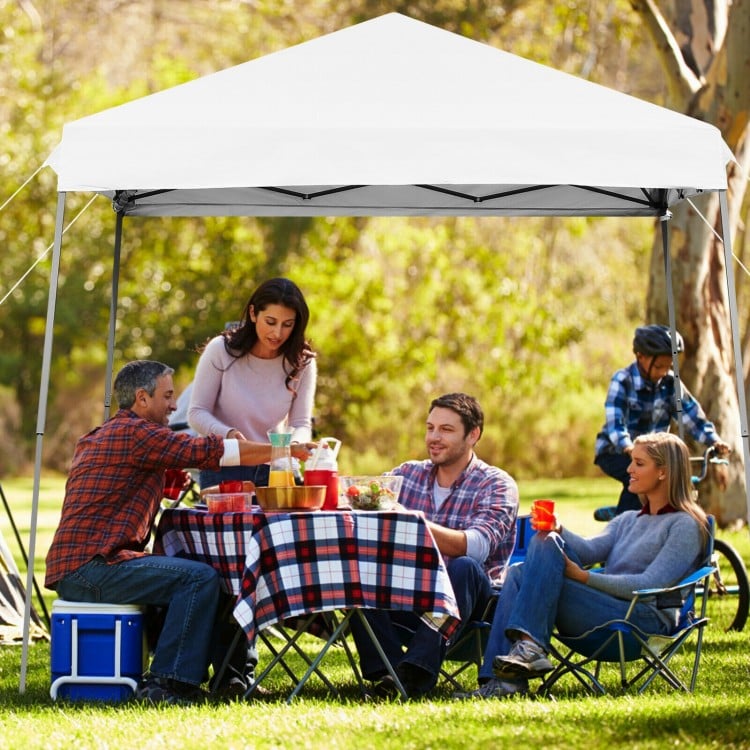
484	499
636	406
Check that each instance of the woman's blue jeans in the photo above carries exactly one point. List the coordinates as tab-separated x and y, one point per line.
189	590
536	597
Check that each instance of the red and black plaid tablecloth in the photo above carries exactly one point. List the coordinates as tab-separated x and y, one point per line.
287	565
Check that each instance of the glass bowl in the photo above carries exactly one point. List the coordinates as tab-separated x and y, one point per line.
375	492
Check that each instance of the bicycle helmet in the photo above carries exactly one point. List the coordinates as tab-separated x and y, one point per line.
654	341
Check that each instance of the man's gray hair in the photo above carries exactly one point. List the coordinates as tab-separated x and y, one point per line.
140	373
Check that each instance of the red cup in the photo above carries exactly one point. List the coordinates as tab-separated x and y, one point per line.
175	481
543	515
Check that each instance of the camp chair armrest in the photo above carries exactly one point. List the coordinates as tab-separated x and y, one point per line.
687	581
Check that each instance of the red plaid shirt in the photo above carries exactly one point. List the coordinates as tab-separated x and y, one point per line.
115	487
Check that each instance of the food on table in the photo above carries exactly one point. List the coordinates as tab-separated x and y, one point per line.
371	496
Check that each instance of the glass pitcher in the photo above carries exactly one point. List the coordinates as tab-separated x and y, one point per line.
281	472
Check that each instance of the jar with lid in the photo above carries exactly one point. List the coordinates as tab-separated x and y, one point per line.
281	472
324	471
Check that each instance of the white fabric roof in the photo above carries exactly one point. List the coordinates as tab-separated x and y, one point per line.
376	117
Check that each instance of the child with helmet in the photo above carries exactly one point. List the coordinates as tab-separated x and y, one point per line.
641	399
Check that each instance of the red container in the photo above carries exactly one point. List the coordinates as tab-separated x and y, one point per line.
231	485
228	503
330	479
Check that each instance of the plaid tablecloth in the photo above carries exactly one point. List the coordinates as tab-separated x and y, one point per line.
282	566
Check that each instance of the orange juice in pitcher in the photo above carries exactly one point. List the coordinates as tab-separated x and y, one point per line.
281	478
281	473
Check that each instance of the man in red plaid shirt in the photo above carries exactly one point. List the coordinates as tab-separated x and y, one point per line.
113	492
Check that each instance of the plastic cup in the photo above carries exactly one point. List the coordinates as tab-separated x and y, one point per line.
174	482
543	515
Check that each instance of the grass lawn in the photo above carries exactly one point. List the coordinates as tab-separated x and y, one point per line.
715	716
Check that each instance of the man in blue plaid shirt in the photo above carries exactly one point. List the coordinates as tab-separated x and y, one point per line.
641	399
470	508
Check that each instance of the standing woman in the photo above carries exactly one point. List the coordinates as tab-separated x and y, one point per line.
256	377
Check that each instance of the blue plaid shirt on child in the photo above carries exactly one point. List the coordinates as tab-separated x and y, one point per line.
636	406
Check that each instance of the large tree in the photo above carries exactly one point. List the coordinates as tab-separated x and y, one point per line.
704	47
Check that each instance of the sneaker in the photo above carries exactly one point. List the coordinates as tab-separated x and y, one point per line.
526	659
495	689
606	514
160	690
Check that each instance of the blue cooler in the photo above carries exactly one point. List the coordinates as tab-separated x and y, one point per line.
97	650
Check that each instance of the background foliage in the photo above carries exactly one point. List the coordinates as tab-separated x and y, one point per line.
530	315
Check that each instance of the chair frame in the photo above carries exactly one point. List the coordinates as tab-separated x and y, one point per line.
622	642
469	647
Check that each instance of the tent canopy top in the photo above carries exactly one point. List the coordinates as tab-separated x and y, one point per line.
390	117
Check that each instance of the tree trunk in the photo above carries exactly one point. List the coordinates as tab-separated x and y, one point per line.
715	52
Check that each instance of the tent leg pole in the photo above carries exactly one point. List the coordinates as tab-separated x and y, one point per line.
736	341
113	316
40	425
665	239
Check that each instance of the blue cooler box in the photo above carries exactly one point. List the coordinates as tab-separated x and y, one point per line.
86	642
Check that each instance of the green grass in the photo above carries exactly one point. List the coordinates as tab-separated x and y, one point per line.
715	716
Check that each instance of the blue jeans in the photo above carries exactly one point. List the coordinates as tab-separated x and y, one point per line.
616	465
536	597
425	647
257	474
189	590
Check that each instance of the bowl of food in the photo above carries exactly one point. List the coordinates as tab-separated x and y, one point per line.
371	492
309	497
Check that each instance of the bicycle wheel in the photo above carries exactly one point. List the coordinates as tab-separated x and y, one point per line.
729	592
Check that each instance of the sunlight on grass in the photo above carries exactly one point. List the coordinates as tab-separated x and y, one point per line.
714	717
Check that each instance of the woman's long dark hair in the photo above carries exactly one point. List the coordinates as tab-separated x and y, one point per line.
296	349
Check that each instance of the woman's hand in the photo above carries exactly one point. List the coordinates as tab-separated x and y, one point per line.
235	434
303	451
575	572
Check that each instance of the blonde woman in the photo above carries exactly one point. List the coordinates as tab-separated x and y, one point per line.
653	547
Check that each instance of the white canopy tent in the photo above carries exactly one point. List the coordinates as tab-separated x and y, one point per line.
388	117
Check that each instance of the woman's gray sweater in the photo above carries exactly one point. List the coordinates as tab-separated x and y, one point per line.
640	551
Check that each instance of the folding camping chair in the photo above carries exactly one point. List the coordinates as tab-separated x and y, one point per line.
622	642
468	650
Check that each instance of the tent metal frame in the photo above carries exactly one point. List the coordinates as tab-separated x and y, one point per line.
121	202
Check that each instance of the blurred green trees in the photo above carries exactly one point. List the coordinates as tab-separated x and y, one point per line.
530	315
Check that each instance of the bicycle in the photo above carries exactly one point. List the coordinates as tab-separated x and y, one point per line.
729	595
